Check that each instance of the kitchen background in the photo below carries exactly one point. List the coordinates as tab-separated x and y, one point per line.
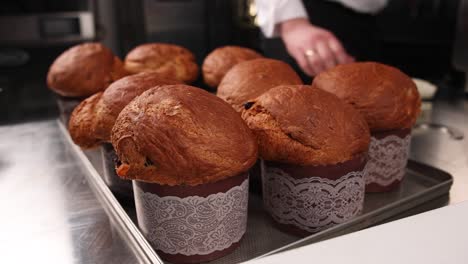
427	39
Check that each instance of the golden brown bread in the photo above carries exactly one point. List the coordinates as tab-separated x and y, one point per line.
249	79
82	122
301	125
93	119
84	70
118	95
386	97
171	61
222	59
180	134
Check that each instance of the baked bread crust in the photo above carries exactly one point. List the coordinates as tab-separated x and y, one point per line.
93	119
222	59
82	121
249	79
84	70
299	124
118	95
171	61
179	134
386	97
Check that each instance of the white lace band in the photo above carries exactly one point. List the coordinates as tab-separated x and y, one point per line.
314	203
193	225
388	157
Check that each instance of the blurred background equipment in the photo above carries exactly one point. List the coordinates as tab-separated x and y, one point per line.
34	32
32	35
460	46
427	39
418	37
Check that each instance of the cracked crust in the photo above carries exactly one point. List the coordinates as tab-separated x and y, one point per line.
249	79
222	59
386	97
178	134
171	61
306	126
84	70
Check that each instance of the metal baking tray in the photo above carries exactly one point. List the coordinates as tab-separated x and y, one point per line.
422	189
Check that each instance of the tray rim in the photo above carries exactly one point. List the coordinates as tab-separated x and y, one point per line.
148	255
143	250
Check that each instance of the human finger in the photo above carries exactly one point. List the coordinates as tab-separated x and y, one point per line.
314	60
338	50
328	57
303	63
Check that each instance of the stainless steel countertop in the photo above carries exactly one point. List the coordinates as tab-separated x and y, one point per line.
438	149
50	215
49	212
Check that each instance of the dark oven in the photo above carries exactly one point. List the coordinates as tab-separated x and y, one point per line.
32	34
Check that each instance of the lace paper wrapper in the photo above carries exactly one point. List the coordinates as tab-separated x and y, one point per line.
314	203
193	225
388	157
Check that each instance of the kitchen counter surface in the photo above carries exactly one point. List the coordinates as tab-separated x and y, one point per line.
51	215
434	237
49	212
439	148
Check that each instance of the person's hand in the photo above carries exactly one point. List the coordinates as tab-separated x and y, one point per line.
314	49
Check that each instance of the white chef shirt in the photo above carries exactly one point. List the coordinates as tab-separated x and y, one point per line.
272	12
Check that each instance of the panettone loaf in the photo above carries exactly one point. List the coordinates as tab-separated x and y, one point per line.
178	134
386	97
84	70
222	59
249	79
302	125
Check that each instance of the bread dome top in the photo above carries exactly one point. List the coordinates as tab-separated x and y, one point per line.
84	70
386	97
178	134
171	61
249	79
92	121
306	126
222	59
